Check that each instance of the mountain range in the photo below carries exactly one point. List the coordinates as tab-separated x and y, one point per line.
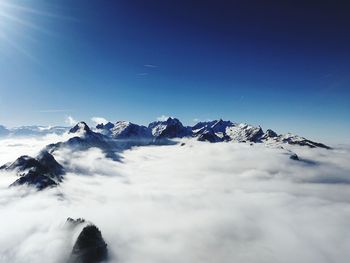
32	130
172	128
44	171
211	131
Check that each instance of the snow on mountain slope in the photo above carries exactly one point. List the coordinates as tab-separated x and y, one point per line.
215	125
82	129
41	172
219	130
161	131
124	130
295	140
171	128
269	134
211	131
209	135
84	138
244	132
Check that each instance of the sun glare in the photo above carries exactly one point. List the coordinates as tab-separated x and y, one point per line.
19	23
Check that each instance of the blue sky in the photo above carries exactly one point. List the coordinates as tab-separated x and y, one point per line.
283	64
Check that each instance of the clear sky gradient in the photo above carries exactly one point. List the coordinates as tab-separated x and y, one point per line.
282	64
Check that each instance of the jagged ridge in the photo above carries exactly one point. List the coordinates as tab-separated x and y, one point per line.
211	131
42	171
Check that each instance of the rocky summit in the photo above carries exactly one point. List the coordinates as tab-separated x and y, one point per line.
90	246
41	172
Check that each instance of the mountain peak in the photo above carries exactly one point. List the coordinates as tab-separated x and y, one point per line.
106	126
80	127
218	126
171	128
42	172
126	129
171	120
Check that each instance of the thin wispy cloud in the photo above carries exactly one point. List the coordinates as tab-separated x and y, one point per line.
162	118
142	74
99	120
18	47
53	110
21	19
150	66
33	11
70	120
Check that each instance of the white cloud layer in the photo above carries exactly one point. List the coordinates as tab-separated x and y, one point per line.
162	118
201	202
70	120
98	120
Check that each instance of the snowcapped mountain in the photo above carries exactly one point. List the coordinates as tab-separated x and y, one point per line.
42	171
208	135
217	131
84	138
244	133
217	126
295	140
171	128
160	132
124	130
211	131
269	134
82	129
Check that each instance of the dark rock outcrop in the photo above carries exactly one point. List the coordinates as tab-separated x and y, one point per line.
50	165
80	127
41	172
90	246
22	164
75	222
106	126
209	136
33	178
294	157
269	134
255	135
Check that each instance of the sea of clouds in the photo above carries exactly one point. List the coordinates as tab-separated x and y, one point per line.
201	202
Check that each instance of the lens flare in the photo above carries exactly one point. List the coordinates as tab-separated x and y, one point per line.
20	21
